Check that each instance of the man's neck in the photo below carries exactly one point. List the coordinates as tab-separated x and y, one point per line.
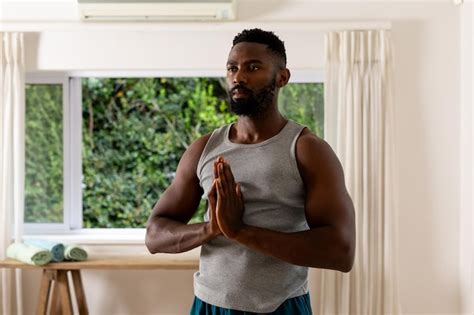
250	130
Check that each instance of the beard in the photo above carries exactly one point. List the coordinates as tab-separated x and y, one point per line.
256	103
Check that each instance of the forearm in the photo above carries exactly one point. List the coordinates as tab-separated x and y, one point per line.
170	236
319	247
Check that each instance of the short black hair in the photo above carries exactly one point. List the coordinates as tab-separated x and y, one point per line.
256	35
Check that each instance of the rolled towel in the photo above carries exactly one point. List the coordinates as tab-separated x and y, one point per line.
74	252
57	249
29	254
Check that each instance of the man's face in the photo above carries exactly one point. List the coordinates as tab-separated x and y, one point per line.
251	79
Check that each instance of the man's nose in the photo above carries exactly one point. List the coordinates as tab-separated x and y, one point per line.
239	77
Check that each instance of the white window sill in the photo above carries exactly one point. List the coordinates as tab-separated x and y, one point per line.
94	236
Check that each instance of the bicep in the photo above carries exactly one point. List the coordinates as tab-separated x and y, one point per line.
179	201
327	201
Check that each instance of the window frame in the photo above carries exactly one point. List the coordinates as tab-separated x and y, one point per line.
71	227
56	79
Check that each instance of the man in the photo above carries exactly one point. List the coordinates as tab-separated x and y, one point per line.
277	202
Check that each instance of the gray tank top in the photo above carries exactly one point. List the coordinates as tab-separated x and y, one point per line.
232	275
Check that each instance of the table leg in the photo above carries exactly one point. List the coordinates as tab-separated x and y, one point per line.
45	286
64	293
79	289
55	301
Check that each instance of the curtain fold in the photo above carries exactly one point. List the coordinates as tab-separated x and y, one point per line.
359	126
12	162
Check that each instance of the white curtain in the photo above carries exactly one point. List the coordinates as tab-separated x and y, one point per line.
359	127
12	162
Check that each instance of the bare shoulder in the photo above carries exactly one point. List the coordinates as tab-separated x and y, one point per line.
198	145
191	156
316	158
308	139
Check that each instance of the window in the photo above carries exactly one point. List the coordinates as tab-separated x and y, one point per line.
125	137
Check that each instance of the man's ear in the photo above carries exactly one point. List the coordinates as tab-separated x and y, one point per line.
283	77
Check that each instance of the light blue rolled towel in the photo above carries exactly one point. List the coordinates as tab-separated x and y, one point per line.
29	254
57	249
74	252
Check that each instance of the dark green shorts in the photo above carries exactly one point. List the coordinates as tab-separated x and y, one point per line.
299	305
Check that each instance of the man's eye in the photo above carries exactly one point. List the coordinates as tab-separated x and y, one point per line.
254	67
231	69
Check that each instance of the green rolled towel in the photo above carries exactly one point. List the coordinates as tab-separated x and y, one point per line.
29	254
74	252
57	249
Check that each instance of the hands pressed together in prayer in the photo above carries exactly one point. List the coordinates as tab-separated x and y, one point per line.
225	201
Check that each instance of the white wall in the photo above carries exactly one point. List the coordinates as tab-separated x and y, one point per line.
427	50
154	50
428	144
467	167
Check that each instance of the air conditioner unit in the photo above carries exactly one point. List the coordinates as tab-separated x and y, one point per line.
157	10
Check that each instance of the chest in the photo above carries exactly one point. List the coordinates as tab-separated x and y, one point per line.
263	173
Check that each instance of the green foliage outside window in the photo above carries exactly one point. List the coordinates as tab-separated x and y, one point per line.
304	103
135	131
44	154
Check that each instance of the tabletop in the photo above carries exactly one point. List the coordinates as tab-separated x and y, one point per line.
111	262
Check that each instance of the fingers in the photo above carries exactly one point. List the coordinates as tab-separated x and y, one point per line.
217	166
228	182
225	181
220	166
219	160
219	187
213	188
238	191
222	170
228	172
220	190
211	196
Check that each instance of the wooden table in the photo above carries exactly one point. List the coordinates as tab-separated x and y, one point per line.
56	273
